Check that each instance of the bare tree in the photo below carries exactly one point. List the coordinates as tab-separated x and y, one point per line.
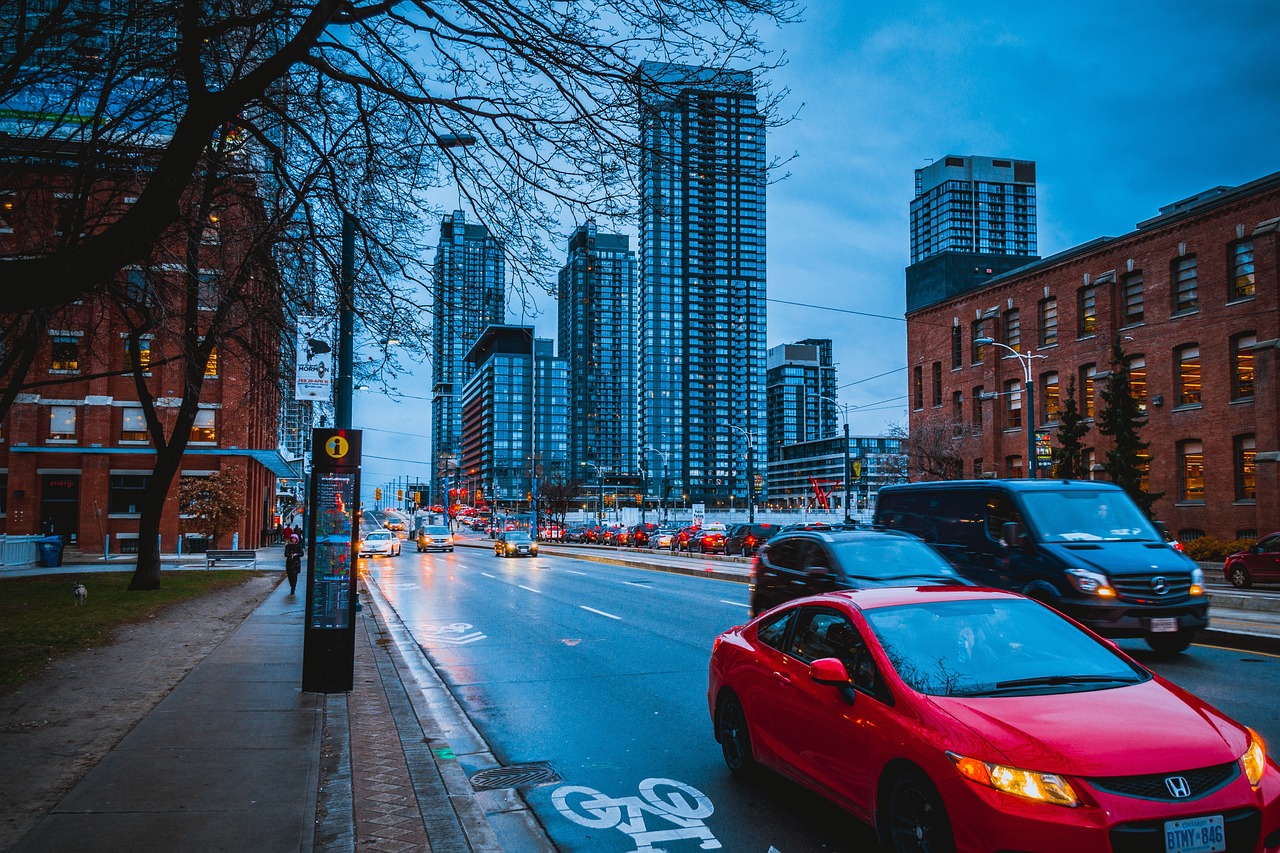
931	449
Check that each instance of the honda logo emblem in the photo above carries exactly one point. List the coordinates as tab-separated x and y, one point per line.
1159	585
1179	787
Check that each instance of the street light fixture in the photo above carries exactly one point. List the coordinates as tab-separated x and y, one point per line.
1025	358
662	496
844	413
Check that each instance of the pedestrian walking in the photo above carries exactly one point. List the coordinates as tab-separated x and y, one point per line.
293	561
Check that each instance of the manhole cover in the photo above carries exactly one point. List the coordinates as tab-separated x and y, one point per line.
515	776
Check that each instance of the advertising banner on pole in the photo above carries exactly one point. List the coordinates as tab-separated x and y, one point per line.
313	377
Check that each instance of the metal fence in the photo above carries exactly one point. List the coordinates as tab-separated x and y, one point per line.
18	550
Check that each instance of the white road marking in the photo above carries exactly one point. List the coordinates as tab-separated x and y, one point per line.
636	583
531	589
737	603
486	574
572	572
601	612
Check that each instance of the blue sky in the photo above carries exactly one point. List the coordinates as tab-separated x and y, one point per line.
1125	107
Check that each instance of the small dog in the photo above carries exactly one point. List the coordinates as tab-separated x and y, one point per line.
81	594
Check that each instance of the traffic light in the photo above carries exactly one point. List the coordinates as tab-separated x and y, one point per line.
417	498
377	494
400	494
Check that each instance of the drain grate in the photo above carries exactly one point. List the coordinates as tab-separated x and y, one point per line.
515	776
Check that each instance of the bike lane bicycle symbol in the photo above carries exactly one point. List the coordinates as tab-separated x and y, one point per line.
674	802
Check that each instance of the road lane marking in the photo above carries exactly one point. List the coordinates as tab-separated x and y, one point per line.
644	584
572	572
601	612
486	574
531	589
735	603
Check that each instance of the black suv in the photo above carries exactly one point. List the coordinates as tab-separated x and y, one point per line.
746	539
807	562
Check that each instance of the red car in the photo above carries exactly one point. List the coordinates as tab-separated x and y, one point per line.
710	539
686	539
969	719
1260	564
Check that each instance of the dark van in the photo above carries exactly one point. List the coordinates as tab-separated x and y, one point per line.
1082	547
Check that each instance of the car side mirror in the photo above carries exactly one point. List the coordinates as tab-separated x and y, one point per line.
1013	535
832	673
817	571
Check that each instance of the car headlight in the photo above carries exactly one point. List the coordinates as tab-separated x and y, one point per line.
1197	581
1254	759
1090	583
1029	784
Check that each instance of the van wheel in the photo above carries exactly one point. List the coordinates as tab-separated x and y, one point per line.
1170	644
1240	577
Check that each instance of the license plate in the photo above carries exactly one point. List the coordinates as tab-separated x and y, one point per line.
1164	625
1195	835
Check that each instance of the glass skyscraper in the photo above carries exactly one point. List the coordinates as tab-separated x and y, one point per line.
702	280
470	296
597	333
800	388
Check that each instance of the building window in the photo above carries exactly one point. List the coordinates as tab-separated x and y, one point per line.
137	288
957	407
977	468
205	428
957	349
1242	366
65	354
126	493
1049	397
937	384
1048	322
144	355
1188	360
1133	310
1013	330
1188	535
209	289
8	203
1185	285
1247	533
211	366
976	414
1191	470
1245	447
1142	462
1138	380
1013	467
917	388
978	351
133	425
1242	270
1013	404
1087	312
1087	373
62	423
1090	459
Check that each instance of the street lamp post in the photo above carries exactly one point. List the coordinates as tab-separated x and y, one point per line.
751	471
1025	359
845	478
662	496
600	474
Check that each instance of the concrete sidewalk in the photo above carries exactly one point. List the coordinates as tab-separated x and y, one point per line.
237	757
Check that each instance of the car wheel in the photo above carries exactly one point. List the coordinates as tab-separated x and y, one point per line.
917	821
1170	644
734	737
746	550
1239	577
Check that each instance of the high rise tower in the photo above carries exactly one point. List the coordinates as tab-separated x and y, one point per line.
801	394
972	218
597	333
702	281
469	297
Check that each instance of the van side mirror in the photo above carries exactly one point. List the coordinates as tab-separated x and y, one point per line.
1013	535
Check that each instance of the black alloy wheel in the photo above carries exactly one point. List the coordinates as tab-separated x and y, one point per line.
1240	577
735	739
746	550
916	817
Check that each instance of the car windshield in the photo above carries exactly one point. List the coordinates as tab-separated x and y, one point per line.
518	537
1001	647
887	557
1087	515
436	531
378	535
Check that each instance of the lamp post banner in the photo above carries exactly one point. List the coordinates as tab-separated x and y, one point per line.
313	374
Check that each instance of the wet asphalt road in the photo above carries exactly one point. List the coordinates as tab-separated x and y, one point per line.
601	671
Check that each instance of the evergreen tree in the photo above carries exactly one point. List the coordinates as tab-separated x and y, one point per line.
1068	456
1122	420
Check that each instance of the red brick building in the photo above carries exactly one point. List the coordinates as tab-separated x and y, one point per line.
1193	295
75	453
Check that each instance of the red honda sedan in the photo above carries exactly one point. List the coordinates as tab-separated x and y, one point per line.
957	718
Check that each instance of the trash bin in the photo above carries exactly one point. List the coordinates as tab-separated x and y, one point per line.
50	551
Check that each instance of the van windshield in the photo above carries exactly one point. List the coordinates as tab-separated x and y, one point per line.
1086	515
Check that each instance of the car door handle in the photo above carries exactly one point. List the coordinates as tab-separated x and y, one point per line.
783	678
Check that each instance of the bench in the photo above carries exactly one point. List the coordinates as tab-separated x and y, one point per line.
248	559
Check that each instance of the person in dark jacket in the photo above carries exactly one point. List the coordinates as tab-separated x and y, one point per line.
293	561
